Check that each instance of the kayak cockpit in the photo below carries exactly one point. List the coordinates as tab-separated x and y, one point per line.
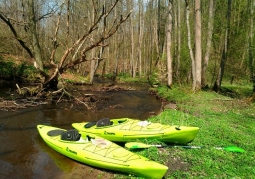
105	122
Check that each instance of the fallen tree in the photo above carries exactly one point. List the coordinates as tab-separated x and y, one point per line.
75	52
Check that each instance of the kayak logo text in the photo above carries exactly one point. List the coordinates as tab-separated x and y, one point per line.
71	151
109	133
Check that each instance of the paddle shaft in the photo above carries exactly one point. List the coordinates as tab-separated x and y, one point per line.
138	145
187	147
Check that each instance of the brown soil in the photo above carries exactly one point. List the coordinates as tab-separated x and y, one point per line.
81	171
176	164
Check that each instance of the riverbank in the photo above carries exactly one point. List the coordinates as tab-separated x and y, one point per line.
224	121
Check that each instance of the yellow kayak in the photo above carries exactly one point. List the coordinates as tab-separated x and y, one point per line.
99	152
126	129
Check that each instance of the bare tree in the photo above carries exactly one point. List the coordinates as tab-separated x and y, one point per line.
217	84
208	43
198	54
35	41
168	44
178	37
79	46
190	46
140	36
132	53
251	34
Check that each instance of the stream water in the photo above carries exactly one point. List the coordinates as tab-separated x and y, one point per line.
23	154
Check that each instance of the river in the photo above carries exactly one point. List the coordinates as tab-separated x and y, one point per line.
23	154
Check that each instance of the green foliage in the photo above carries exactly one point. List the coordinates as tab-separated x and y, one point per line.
133	80
176	94
124	75
11	70
109	75
30	73
7	69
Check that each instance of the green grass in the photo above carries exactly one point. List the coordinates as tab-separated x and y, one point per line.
223	121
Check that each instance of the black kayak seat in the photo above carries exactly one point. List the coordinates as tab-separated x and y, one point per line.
104	122
90	124
55	132
71	135
100	123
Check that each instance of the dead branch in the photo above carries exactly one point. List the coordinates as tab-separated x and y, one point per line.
98	43
19	90
12	105
14	32
79	41
60	96
76	62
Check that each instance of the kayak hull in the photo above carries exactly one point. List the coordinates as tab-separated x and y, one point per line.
126	130
101	153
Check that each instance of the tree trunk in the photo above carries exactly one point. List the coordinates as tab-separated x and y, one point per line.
198	55
189	46
132	42
92	67
217	84
208	43
33	31
251	59
168	44
179	38
140	37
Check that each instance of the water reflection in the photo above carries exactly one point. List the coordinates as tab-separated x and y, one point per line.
62	162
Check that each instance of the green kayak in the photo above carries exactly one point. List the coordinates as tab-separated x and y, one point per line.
126	129
99	152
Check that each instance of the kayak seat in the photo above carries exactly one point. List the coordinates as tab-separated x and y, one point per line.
121	121
104	122
90	124
71	135
55	132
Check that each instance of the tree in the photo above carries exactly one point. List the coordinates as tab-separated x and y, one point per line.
83	44
217	84
251	36
33	32
168	44
190	46
208	43
179	38
140	36
198	54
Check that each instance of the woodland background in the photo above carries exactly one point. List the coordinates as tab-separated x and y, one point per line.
191	42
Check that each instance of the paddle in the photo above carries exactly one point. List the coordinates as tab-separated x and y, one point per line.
138	145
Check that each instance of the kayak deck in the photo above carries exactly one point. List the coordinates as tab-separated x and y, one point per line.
99	152
126	129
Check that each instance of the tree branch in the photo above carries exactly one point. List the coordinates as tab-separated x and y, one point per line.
14	32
